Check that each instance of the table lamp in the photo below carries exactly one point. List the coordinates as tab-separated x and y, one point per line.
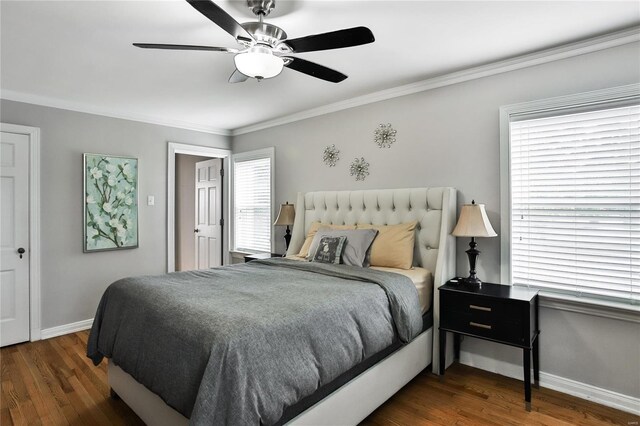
285	218
474	223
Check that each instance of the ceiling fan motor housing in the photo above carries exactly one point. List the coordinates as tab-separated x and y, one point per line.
261	7
264	33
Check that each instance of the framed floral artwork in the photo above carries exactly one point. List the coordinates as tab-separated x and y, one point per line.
110	202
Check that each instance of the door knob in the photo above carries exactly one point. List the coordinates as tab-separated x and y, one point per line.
196	230
20	252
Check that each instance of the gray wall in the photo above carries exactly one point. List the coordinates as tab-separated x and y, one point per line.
72	282
186	210
450	137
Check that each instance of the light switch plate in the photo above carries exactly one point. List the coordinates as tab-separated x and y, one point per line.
151	200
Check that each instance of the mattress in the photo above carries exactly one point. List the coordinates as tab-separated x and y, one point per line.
421	278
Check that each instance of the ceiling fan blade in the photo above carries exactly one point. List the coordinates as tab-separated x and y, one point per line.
221	18
315	70
238	77
333	40
184	47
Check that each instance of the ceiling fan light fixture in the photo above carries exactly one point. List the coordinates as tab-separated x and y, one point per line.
258	62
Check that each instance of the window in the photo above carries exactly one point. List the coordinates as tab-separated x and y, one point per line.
252	192
574	200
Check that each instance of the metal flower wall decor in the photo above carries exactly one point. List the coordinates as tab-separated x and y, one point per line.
385	135
331	155
359	168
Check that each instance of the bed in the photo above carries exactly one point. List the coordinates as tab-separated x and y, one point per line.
347	397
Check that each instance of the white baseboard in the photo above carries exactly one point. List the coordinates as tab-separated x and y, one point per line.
60	330
586	391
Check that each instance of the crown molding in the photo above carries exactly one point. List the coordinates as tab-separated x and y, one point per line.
11	95
565	51
594	44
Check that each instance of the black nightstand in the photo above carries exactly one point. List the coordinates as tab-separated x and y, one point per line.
250	257
500	313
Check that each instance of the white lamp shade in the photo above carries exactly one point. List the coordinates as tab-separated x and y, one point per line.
258	62
286	215
473	222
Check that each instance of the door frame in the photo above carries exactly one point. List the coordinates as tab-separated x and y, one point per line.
174	148
35	307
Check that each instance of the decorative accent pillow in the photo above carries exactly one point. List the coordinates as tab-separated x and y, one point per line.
357	245
329	250
304	251
393	247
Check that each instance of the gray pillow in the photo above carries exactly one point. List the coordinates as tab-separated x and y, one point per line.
356	248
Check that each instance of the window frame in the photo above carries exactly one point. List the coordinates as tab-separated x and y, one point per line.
248	156
611	97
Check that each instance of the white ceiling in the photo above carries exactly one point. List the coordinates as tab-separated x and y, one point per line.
79	53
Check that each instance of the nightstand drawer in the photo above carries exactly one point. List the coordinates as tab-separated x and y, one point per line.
483	325
501	320
483	308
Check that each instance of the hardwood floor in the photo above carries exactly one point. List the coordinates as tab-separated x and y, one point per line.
52	382
468	396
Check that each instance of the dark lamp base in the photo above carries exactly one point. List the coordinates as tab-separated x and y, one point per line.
473	253
287	240
472	280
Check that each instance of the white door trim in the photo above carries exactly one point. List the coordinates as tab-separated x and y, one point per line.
206	151
34	224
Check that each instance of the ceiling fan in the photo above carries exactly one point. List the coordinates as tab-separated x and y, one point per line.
265	49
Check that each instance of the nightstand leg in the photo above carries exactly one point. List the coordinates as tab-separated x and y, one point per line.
443	350
527	377
456	346
536	363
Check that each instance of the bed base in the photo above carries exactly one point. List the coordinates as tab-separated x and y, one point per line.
347	405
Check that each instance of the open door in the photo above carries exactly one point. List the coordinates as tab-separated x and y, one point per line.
209	222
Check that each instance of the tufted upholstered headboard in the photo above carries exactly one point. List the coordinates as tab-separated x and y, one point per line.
433	208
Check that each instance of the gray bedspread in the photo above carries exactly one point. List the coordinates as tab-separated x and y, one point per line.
236	345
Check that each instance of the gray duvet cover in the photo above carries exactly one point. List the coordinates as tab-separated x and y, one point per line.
236	345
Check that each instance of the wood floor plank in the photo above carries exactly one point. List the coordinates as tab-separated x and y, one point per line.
96	413
47	385
52	382
82	395
24	375
5	417
16	390
10	400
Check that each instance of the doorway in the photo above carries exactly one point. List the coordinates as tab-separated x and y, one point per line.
19	234
197	235
199	212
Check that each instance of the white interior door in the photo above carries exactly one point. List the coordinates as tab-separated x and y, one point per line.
208	230
14	238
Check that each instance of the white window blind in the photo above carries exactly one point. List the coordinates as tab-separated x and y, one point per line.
252	205
575	203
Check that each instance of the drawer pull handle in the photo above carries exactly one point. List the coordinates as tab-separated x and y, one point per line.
480	308
476	324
